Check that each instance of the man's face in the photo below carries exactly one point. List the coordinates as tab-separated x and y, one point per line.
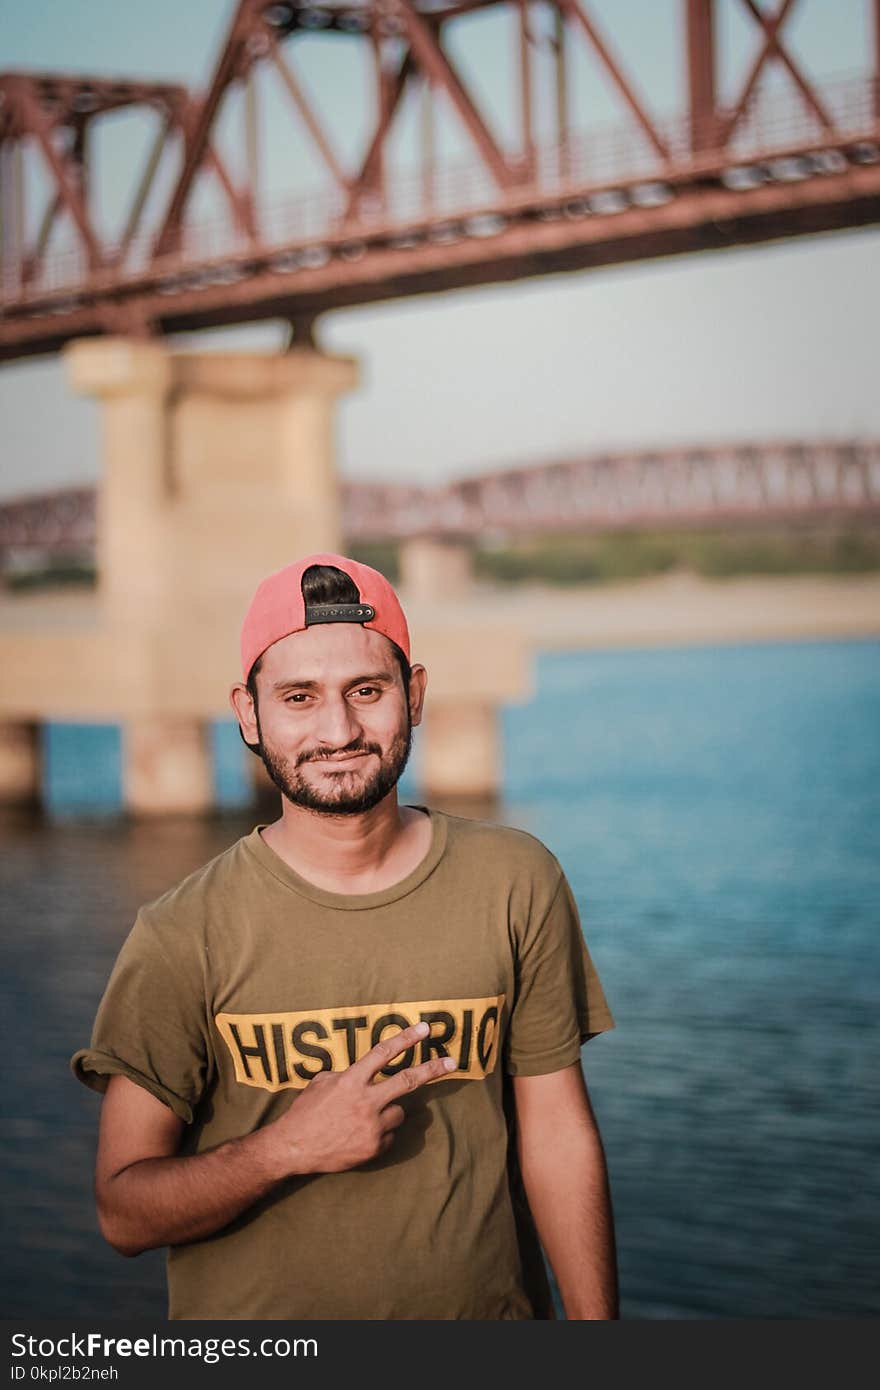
333	721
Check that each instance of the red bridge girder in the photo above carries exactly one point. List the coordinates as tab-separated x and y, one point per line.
752	170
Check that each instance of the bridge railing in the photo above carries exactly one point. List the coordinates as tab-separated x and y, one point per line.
585	163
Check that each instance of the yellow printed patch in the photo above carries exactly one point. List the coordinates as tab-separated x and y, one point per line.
280	1050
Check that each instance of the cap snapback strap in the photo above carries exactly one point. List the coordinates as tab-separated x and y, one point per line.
339	613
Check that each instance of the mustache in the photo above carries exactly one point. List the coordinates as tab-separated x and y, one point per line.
339	753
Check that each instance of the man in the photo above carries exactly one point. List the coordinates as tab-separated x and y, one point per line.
341	1060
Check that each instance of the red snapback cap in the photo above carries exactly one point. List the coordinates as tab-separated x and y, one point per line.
278	608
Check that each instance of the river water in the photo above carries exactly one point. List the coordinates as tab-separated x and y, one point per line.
716	811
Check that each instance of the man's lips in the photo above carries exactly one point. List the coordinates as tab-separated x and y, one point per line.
340	762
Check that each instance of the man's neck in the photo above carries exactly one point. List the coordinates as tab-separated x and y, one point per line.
351	854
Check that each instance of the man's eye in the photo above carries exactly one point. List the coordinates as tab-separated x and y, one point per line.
297	695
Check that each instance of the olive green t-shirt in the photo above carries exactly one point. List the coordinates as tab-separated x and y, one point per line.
237	986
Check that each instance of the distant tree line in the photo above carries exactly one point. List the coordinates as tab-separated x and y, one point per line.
619	555
610	556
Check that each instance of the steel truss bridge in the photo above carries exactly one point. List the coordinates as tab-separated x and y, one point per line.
755	168
742	485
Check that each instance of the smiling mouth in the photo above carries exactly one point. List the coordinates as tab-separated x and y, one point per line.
340	762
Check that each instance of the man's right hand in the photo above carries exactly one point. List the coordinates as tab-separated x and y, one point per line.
150	1195
345	1118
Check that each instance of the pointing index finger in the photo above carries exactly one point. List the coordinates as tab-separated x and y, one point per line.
385	1051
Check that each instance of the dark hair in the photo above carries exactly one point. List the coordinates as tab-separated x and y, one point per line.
325	584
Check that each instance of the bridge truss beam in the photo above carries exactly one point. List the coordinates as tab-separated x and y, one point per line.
713	177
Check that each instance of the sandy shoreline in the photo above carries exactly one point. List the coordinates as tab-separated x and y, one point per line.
678	609
667	610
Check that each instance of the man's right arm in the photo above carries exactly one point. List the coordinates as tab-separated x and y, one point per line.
148	1196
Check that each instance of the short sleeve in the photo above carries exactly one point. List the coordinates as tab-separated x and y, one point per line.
150	1025
559	1002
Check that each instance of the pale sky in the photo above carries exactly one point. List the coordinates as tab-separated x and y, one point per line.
750	343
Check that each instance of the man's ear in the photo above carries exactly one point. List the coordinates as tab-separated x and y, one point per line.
243	707
418	680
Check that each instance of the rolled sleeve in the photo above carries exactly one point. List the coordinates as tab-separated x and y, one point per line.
150	1025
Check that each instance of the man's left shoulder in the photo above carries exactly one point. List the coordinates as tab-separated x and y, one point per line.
493	844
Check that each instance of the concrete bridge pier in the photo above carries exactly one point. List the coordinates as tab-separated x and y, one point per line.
216	469
473	667
20	763
166	766
461	749
437	568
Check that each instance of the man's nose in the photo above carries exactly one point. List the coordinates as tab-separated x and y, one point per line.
337	724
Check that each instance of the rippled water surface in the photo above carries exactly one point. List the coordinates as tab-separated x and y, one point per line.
717	813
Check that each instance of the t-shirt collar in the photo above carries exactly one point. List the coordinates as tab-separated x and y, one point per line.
275	865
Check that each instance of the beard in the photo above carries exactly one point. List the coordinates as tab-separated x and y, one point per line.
344	793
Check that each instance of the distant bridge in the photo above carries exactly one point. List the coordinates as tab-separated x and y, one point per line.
694	486
708	485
